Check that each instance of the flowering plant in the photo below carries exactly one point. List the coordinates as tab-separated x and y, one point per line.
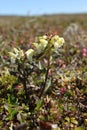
33	68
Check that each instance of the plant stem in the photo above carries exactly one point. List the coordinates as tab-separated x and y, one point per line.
25	83
25	88
46	77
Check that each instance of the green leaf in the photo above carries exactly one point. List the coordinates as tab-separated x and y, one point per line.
79	128
14	112
67	119
74	121
39	103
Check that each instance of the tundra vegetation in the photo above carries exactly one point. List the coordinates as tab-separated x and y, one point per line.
43	73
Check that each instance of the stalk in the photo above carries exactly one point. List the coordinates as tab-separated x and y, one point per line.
46	77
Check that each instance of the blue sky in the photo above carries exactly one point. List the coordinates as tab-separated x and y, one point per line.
38	7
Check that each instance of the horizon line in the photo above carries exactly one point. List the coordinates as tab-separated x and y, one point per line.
45	14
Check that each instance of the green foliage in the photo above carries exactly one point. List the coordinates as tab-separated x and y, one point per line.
79	128
7	80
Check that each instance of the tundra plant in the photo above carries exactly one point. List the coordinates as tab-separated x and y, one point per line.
32	67
44	47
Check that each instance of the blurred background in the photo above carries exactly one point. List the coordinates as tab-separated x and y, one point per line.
22	20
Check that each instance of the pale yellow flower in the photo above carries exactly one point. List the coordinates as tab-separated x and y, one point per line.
21	53
57	41
29	54
61	41
16	50
41	45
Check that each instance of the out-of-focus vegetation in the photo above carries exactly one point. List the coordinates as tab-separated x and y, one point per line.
39	95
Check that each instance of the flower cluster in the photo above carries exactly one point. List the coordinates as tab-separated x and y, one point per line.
57	41
17	54
41	44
